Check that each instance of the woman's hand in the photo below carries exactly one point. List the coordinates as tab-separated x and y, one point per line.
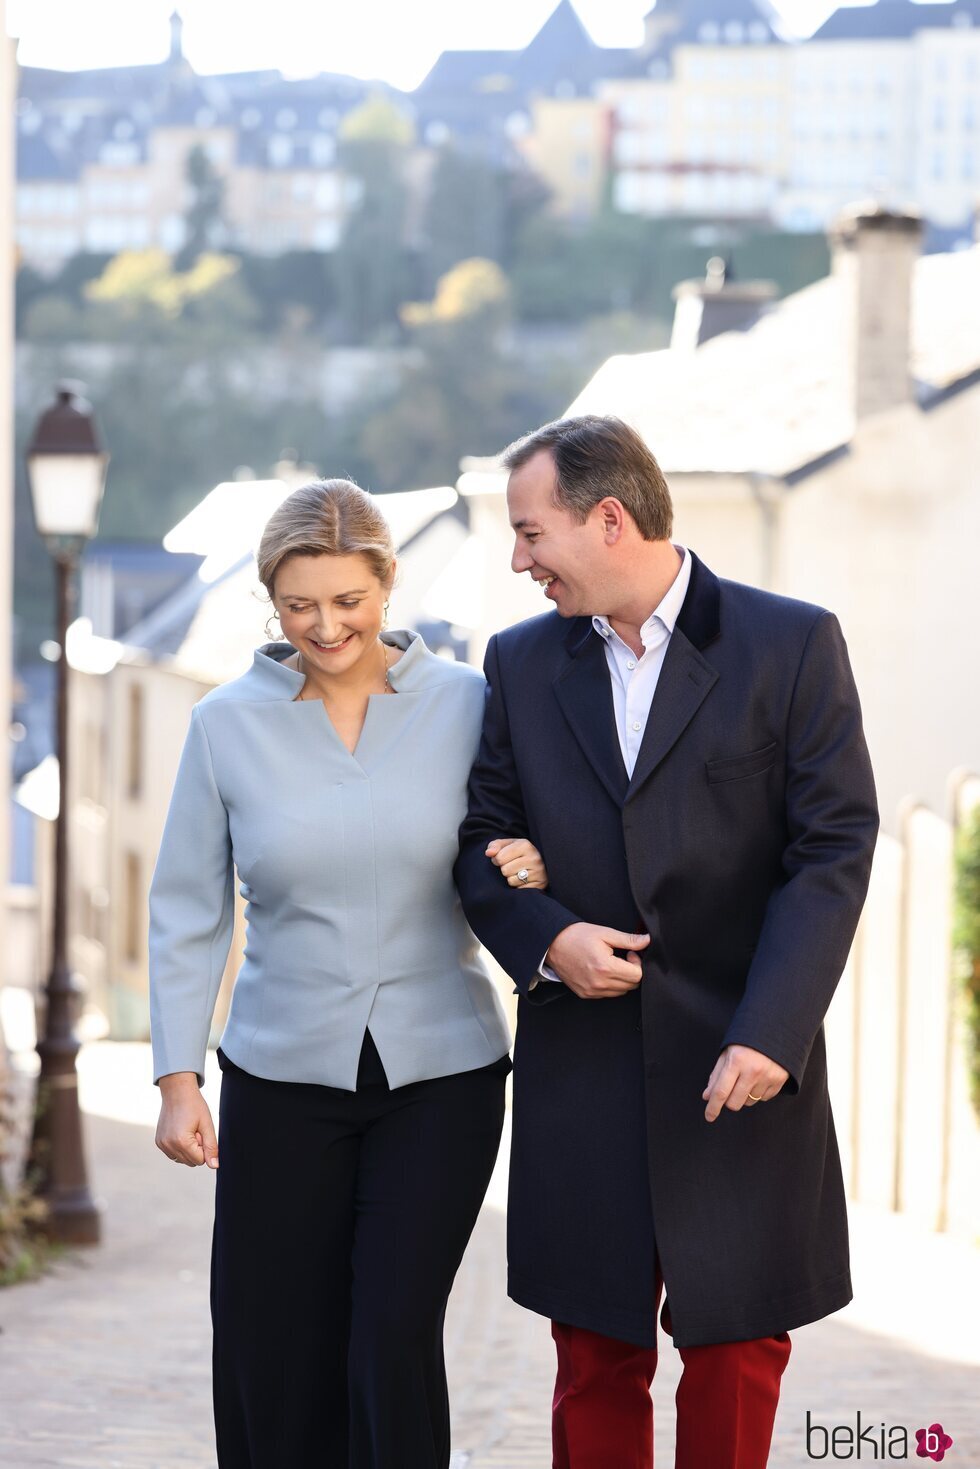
185	1131
516	854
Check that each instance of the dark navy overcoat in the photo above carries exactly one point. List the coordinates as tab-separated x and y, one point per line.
743	846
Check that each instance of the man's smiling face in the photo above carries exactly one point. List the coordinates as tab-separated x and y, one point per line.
562	554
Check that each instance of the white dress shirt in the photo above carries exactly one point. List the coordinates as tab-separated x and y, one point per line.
634	680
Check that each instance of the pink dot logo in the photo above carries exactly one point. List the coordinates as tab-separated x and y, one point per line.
932	1442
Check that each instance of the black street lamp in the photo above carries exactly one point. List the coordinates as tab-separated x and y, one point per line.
66	466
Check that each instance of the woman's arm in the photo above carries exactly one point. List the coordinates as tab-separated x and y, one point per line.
192	913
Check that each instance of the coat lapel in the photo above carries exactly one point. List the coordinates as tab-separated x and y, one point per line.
685	681
686	677
584	694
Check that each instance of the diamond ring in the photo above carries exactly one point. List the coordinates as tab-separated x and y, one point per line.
523	875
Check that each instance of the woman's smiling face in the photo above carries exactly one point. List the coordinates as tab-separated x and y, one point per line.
331	608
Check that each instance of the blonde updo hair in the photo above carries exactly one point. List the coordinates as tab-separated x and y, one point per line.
327	517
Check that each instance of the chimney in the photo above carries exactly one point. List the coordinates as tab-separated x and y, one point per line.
874	254
717	304
659	23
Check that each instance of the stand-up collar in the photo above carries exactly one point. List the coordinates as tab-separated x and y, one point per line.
269	677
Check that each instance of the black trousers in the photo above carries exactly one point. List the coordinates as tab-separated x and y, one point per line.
340	1222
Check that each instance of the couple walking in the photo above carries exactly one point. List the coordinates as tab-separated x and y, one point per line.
657	812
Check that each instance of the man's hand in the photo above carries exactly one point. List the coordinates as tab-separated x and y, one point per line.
582	956
738	1071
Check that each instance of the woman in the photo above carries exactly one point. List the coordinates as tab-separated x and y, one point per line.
365	1053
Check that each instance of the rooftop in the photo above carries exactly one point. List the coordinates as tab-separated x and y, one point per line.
773	399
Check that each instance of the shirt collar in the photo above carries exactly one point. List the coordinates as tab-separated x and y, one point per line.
666	612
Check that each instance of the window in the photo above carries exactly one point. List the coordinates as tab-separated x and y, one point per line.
326	234
327	195
134	908
323	150
134	743
173	231
626	192
280	150
119	153
92	760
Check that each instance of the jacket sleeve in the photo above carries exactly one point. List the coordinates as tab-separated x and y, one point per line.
517	927
192	912
832	825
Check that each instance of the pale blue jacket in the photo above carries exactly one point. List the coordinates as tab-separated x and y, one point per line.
345	861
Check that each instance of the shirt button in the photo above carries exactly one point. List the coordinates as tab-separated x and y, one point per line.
636	724
630	663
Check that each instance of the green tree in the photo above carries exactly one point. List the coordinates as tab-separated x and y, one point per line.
465	213
966	941
373	264
302	279
204	219
465	395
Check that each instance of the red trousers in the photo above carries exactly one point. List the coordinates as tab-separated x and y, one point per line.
602	1416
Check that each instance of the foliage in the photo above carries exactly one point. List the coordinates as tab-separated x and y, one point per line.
284	288
619	262
135	279
474	288
377	121
506	312
204	218
24	1244
466	394
966	939
374	268
466	212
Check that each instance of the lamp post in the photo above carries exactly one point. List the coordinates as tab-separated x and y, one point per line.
66	467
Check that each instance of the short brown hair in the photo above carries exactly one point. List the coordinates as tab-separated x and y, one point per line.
598	456
326	517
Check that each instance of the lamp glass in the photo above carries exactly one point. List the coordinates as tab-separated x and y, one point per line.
67	492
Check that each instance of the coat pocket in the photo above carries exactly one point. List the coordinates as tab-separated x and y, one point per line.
739	767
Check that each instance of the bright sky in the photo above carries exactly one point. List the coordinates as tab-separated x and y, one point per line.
390	39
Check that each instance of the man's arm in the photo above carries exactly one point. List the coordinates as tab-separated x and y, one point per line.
832	819
517	927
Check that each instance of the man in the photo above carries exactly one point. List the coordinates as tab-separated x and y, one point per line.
687	753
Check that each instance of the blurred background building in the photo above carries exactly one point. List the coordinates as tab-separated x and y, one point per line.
715	112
